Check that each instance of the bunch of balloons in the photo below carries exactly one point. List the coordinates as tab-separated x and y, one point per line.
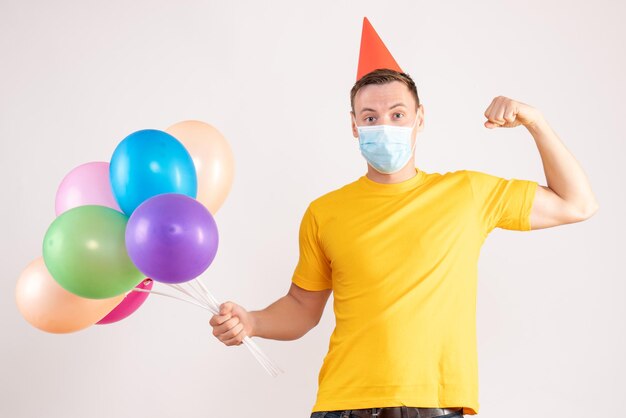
145	215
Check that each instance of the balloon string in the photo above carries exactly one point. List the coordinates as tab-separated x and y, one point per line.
252	346
202	296
204	299
171	296
183	290
206	292
194	293
203	293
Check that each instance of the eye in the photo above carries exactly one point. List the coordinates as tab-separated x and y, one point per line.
369	119
399	115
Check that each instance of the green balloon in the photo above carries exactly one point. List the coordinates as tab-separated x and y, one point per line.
85	252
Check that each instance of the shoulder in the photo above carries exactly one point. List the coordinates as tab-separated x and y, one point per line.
450	185
452	176
335	196
472	178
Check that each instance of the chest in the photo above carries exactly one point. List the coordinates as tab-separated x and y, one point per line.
372	237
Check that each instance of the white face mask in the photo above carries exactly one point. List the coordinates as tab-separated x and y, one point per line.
387	148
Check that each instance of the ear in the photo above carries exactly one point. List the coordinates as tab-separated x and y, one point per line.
420	115
355	132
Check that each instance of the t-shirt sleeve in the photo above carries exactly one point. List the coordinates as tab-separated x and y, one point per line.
500	202
313	270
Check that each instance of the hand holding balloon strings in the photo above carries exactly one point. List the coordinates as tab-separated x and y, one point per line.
202	298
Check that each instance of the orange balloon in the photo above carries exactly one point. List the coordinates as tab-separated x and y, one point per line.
212	157
51	308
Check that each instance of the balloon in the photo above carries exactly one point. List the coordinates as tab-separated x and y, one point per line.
212	158
147	163
49	307
87	184
171	238
130	304
85	252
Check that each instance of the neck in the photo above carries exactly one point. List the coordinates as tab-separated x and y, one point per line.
407	172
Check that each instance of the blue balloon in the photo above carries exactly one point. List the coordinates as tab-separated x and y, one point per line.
148	163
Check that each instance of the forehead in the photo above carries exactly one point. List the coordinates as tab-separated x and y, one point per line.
382	96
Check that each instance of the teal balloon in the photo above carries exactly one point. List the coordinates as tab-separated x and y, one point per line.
148	163
84	250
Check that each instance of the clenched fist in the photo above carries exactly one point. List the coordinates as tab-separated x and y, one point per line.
508	113
231	324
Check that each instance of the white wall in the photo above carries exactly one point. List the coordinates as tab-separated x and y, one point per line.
76	77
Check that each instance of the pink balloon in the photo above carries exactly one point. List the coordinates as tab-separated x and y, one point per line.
87	184
130	304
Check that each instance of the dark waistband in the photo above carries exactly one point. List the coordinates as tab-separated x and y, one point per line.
402	412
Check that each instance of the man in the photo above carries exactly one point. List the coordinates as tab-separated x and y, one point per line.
399	250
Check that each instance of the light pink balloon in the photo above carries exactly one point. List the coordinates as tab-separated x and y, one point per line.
130	304
87	184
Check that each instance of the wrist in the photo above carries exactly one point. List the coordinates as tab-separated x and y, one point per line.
254	324
537	125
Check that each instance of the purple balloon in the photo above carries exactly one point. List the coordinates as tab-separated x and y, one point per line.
171	238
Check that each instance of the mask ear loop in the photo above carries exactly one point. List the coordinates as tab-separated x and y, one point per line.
414	125
415	143
357	126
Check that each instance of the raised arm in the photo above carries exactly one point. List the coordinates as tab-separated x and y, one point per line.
568	197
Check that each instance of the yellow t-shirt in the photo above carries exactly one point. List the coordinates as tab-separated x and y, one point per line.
402	262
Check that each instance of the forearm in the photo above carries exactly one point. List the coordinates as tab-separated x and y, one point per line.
284	320
563	173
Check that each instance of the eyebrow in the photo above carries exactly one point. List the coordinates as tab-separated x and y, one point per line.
372	110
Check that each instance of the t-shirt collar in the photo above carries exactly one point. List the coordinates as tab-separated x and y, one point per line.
392	188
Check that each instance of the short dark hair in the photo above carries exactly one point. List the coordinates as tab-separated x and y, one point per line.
383	76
